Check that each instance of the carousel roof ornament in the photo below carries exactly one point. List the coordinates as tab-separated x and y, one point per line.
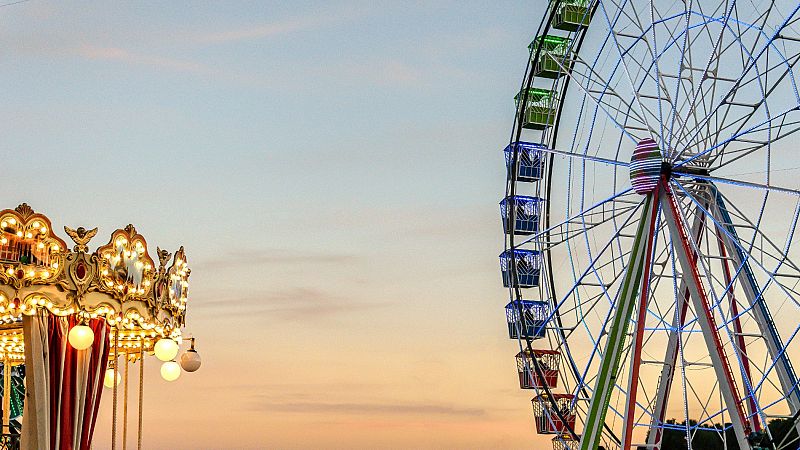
119	281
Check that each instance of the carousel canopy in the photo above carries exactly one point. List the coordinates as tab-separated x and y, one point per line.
141	299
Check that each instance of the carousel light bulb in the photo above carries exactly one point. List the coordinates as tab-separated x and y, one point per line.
166	350
108	380
170	371
81	337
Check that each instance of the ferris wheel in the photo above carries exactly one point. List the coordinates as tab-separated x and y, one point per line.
650	218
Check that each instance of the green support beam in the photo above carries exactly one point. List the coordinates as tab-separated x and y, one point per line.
612	358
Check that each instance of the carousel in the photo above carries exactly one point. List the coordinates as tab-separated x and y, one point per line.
73	321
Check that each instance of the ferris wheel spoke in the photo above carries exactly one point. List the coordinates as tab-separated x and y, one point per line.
590	213
722	221
750	65
599	103
742	258
586	157
596	84
737	82
658	78
692	103
780	257
741	183
679	69
739	124
716	53
750	146
748	140
625	68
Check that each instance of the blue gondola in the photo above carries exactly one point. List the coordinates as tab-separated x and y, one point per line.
534	315
528	268
526	214
529	161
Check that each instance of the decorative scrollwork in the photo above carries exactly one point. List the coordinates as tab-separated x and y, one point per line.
126	269
29	251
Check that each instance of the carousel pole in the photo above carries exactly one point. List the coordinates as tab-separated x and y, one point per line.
6	395
125	406
141	391
114	402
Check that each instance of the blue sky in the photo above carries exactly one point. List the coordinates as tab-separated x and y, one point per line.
333	170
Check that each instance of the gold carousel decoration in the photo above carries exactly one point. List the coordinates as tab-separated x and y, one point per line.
113	306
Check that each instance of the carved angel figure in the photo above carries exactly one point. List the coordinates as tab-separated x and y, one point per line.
81	237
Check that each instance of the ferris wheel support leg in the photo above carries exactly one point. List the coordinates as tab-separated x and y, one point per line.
638	335
615	343
671	357
705	318
783	366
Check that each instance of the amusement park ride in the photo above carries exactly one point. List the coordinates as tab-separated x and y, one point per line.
649	224
71	319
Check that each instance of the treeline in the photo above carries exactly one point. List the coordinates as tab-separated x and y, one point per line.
713	440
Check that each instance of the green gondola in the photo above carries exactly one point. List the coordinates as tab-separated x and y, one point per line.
552	58
540	108
572	15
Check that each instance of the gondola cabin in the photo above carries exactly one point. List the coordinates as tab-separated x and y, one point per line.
539	108
525	217
572	15
547	420
549	55
529	161
565	442
520	268
527	319
529	377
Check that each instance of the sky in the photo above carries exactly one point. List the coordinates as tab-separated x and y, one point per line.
333	170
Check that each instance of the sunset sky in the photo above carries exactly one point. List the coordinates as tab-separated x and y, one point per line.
333	170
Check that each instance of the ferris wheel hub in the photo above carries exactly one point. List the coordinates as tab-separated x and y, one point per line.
647	166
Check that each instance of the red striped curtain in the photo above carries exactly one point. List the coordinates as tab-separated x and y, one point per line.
63	384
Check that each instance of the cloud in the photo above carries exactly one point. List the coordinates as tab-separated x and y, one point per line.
126	56
273	257
287	26
287	304
262	31
426	409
